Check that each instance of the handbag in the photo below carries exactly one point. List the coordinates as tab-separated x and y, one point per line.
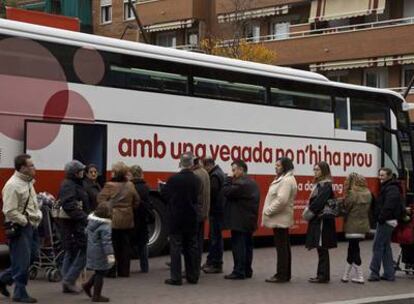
13	230
59	213
331	209
307	214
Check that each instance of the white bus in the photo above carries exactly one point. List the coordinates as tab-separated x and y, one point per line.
67	95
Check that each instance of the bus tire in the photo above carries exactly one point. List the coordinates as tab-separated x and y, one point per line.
158	231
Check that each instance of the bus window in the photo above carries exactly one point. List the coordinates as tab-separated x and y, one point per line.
300	100
142	79
341	113
221	89
368	116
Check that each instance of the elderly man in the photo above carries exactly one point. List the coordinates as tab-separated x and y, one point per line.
181	194
22	214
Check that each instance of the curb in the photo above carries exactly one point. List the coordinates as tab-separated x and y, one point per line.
394	299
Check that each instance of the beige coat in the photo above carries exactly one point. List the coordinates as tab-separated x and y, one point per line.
278	206
204	194
123	206
15	194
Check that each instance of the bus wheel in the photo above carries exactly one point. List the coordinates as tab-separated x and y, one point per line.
158	231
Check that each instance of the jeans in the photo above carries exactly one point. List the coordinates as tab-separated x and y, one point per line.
74	262
284	255
143	258
354	255
242	247
187	244
20	257
382	253
215	250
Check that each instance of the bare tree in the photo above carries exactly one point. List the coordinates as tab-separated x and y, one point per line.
236	45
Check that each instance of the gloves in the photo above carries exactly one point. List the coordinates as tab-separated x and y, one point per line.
111	259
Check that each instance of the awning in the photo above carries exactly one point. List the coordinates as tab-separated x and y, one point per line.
170	26
251	14
363	63
406	59
322	10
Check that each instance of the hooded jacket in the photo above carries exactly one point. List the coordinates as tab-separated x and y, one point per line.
99	234
75	202
389	205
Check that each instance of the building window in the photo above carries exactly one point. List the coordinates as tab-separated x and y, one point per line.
408	8
338	76
280	30
166	39
408	73
252	32
192	38
376	77
128	13
106	11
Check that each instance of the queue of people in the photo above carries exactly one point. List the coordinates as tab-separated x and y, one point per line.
98	225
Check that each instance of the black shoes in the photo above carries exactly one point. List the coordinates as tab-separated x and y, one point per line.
3	290
71	288
318	280
233	276
212	269
25	300
173	282
101	299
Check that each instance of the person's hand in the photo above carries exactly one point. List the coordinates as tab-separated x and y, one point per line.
111	259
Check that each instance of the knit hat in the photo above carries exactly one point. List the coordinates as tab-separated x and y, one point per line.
73	167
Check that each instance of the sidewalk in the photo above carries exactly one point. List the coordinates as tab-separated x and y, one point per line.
213	289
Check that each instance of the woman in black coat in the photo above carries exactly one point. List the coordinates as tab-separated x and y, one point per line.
321	233
91	185
142	217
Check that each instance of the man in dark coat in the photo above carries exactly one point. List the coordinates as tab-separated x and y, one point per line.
241	213
387	211
181	194
73	221
214	263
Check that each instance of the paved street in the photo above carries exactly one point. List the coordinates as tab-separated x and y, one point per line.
213	289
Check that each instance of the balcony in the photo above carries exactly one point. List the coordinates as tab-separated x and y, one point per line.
164	11
228	6
341	43
190	47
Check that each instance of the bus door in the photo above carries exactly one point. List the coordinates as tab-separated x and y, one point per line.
396	155
391	152
53	144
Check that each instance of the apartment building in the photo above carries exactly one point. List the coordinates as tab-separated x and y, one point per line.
365	42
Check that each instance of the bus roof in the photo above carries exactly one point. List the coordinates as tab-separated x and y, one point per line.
15	28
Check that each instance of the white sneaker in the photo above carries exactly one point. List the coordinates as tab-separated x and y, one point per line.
359	275
347	273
